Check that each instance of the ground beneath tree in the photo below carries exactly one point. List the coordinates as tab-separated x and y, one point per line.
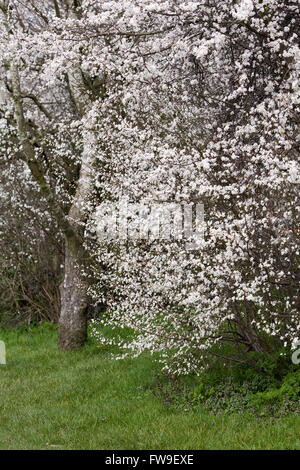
86	400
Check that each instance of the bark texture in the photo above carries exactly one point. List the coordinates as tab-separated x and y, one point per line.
74	299
74	302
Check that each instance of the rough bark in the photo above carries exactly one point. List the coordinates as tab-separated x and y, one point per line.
74	302
73	320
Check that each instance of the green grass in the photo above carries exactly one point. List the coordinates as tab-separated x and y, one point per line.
85	400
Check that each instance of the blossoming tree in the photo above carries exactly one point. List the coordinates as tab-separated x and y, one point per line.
205	110
180	102
41	125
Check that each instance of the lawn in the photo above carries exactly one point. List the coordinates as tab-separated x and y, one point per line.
85	400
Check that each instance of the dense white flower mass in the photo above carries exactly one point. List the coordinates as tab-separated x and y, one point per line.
188	102
244	9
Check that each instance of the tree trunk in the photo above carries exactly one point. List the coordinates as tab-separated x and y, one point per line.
73	319
74	299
